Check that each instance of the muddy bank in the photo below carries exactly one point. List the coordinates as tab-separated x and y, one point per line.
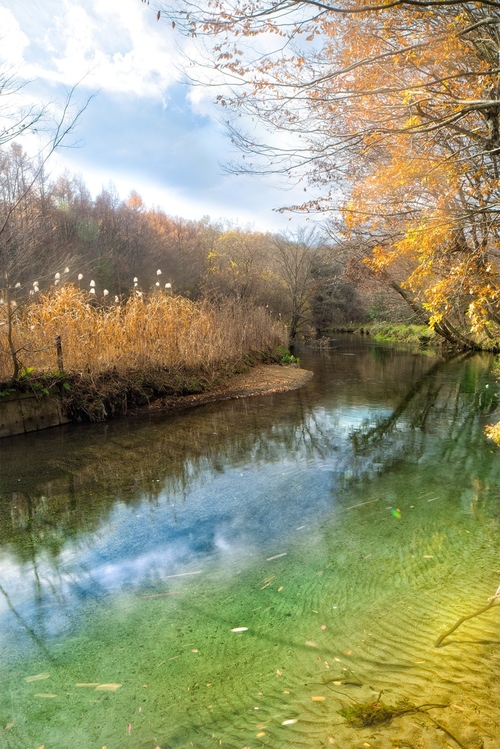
51	403
261	380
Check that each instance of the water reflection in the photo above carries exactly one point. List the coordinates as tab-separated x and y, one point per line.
89	512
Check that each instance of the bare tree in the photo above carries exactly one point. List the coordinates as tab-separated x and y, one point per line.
295	256
20	176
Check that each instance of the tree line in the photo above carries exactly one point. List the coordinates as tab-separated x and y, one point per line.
58	233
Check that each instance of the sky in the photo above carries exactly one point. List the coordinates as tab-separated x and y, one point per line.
145	129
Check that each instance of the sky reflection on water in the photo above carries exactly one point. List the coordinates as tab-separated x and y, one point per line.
159	507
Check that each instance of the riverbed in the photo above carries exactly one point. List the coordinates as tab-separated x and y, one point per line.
236	574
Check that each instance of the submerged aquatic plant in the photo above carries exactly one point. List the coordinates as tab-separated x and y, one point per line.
363	714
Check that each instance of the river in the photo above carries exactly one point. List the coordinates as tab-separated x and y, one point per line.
236	574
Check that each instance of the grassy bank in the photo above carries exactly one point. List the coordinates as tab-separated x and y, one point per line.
395	332
419	334
116	356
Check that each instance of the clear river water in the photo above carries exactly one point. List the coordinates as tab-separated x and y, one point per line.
236	574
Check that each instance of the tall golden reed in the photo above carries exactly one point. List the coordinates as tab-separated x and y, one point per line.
150	330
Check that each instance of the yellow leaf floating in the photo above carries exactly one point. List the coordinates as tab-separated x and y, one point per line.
107	687
46	695
87	684
318	699
311	644
37	677
239	629
289	722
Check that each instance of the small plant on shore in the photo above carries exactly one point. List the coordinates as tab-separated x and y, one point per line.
288	358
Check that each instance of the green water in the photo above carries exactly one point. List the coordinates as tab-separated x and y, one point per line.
345	526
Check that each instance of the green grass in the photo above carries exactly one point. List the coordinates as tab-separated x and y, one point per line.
384	331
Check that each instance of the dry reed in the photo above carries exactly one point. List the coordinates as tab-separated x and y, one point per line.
153	330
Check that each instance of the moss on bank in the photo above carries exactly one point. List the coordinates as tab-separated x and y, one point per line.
395	332
420	334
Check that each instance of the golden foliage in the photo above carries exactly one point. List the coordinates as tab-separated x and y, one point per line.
150	330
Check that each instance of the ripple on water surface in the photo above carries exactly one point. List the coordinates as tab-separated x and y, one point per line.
250	597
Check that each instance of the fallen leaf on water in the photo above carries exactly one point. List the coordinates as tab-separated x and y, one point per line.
323	627
347	652
195	651
285	691
129	728
330	740
38	677
289	722
337	683
87	684
278	673
311	644
239	629
46	695
280	589
428	556
276	556
261	733
107	687
318	699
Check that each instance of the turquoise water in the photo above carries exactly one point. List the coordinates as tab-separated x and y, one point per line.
233	575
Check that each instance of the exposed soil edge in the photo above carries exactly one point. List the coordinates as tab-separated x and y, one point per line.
264	379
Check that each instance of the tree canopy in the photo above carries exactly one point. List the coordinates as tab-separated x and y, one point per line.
388	112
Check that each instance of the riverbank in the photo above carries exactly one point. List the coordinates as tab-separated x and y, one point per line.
264	379
39	404
395	333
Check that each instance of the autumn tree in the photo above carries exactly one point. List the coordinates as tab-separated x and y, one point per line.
240	266
390	113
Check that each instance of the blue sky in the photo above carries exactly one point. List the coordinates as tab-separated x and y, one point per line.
145	130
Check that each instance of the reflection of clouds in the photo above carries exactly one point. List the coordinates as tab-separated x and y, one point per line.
187	500
228	517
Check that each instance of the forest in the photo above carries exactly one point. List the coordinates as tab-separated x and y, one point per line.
65	253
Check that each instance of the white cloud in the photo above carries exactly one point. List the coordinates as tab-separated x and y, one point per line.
115	46
13	41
